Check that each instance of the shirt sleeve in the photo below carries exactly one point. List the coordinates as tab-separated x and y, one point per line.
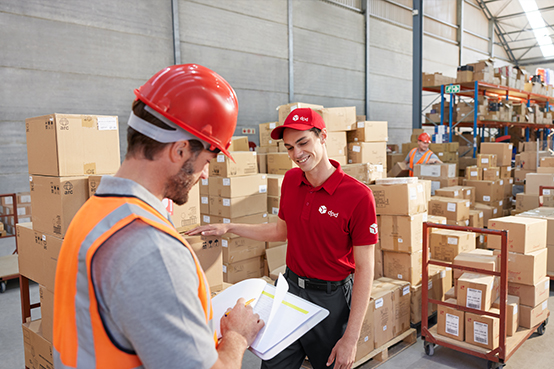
148	296
434	156
363	224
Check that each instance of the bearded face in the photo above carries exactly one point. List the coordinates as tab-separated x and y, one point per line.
179	185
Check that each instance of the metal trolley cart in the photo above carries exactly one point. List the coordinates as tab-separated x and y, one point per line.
9	267
507	345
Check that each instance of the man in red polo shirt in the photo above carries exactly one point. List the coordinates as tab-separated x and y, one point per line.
330	223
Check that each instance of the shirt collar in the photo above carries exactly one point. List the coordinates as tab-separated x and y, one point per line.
331	184
110	185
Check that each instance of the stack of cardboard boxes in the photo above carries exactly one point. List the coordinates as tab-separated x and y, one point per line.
62	150
546	213
367	146
440	175
24	215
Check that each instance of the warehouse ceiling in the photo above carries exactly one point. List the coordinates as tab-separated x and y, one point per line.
524	28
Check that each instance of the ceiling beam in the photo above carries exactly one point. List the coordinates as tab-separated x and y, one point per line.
515	15
499	32
535	61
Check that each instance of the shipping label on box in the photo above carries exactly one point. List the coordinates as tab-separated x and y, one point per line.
483	330
245	164
491	173
450	322
474	173
477	291
486	160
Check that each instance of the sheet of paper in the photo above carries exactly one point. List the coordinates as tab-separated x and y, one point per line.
280	292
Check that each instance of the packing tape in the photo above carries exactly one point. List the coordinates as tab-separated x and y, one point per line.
88	121
89	168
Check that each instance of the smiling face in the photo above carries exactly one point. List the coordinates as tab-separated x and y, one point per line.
305	148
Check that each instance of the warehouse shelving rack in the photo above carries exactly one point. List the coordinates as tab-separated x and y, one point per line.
474	90
9	267
507	345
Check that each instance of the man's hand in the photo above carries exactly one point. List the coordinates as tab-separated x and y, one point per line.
343	353
242	320
209	230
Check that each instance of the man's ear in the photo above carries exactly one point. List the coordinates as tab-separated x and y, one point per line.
179	150
323	135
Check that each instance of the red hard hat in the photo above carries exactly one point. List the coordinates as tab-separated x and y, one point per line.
196	99
424	137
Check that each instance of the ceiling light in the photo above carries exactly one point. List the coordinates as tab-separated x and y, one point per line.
544	39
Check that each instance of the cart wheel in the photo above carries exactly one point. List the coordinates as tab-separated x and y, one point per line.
429	348
495	365
541	329
2	287
546	322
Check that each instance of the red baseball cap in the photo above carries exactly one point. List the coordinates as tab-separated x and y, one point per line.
301	119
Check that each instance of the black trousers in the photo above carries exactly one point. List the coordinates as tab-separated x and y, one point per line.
318	343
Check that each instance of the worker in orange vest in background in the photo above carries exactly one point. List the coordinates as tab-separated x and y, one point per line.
421	154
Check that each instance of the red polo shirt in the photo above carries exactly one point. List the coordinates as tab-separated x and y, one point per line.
325	222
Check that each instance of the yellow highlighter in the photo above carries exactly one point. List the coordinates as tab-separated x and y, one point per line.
246	304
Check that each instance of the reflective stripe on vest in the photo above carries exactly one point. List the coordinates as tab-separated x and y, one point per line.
80	340
423	160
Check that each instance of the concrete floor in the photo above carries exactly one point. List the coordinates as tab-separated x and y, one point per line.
536	352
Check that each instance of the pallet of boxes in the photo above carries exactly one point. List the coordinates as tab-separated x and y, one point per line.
533	169
24	213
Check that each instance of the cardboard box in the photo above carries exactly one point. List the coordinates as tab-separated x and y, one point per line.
400	169
478	258
446	244
520	174
279	163
548	170
450	322
69	145
342	160
403	233
406	267
245	164
399	199
546	213
476	218
506	172
239	143
454	192
525	202
547	161
527	268
416	304
401	307
512	313
238	186
491	173
529	317
383	315
533	181
503	152
336	144
393	158
55	201
244	269
435	171
489	212
366	342
187	216
265	134
276	260
531	295
257	218
203	183
464	76
487	192
238	206
369	132
477	291
236	248
38	254
209	253
93	183
38	351
338	119
365	172
524	234
273	203
440	281
486	160
274	183
367	152
483	330
47	312
284	110
451	208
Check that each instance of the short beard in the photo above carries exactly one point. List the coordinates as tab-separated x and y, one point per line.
178	186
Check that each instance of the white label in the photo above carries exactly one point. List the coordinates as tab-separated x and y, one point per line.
356	148
501	182
379	168
481	238
481	333
366	338
204	199
451	206
473	174
226	220
399	276
484	160
473	298
224	243
30	180
481	214
379	303
452	241
21	211
468	192
452	324
443	273
405	290
271	125
361	124
384	328
44	237
500	203
400	240
413	194
430	285
226	202
546	285
486	198
204	182
546	192
509	169
515	309
226	181
430	170
275	211
262	189
419	187
107	123
206	218
545	305
456	193
495	211
425	217
221	158
224	269
26	198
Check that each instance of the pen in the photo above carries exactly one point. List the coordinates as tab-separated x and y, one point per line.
246	304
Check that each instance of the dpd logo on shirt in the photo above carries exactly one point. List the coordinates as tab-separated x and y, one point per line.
323	210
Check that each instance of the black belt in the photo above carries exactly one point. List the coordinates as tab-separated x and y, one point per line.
315	284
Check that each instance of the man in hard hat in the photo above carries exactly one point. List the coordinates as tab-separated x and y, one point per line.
329	221
421	154
130	292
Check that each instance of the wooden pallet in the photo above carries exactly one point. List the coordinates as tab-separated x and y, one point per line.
383	353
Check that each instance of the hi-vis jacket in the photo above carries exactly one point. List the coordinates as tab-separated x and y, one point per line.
423	160
80	339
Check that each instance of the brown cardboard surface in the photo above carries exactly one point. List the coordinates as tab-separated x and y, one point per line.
257	218
531	295
477	291
447	244
478	258
366	342
543	213
273	203
503	152
284	110
512	313
368	152
274	183
72	145
486	160
47	312
238	206
93	183
401	304
236	248
489	212
491	173
406	267
451	208
265	133
531	316
369	131
38	350
474	173
245	164
400	199
365	172
55	201
336	144
527	268
239	143
524	234
402	233
276	260
476	218
550	260
526	202
187	216
416	304
238	186
450	322
435	171
533	181
440	282
244	269
209	254
454	192
487	192
38	254
204	185
262	162
482	330
338	119
400	169
520	174
383	314
279	163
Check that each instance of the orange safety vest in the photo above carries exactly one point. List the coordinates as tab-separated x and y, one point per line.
80	339
423	160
